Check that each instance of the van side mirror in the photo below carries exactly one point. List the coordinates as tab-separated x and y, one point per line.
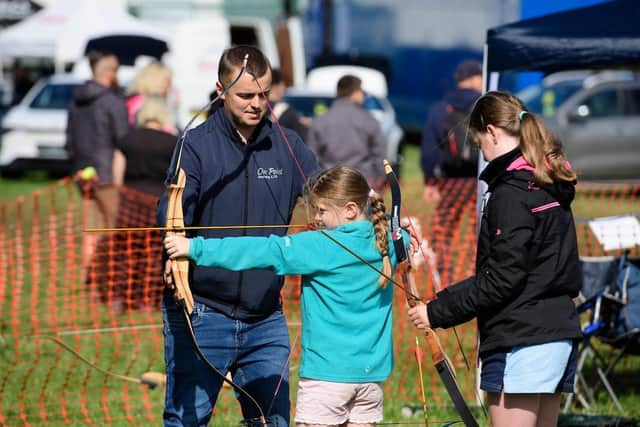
579	113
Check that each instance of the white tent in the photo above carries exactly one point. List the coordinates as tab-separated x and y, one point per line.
61	31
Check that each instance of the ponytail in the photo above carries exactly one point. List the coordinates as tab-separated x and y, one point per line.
539	147
543	151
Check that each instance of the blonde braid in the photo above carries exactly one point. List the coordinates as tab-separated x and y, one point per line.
381	226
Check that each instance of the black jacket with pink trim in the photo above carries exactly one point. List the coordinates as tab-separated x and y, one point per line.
527	264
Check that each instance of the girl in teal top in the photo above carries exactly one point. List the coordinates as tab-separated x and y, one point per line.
346	304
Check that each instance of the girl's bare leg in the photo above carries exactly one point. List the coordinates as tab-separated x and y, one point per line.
513	409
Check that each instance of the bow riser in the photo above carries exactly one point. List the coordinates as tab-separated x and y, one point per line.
440	360
179	266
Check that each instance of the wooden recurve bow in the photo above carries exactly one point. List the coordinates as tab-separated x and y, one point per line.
440	360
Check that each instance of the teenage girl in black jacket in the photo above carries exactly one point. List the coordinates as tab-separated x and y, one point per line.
527	268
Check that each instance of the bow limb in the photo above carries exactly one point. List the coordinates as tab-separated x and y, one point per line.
150	379
179	266
439	357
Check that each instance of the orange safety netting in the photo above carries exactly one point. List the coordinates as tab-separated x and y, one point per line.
69	298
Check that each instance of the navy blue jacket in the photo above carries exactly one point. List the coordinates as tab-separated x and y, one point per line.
527	263
433	135
232	183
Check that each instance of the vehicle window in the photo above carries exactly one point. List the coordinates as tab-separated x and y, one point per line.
632	102
545	100
602	104
53	96
372	103
312	106
309	106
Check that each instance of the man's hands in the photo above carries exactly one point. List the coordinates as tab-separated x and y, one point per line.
419	317
176	246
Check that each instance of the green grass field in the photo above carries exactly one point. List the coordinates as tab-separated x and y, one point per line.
12	188
36	368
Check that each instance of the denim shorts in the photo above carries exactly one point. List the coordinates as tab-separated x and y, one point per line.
541	368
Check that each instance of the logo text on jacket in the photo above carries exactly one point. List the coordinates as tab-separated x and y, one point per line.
269	173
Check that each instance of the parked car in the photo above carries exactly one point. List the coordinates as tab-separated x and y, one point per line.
319	91
597	118
6	95
33	132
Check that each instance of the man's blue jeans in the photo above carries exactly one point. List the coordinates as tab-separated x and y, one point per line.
254	353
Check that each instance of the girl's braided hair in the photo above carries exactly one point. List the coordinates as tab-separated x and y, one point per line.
341	185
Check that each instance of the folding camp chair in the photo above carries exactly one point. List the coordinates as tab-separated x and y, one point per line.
611	295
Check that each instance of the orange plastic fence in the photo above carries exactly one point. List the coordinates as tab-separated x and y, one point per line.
79	317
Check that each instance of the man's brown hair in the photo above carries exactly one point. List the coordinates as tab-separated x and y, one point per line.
347	85
232	59
95	57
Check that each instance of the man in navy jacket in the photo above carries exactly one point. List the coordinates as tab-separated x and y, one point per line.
240	171
468	77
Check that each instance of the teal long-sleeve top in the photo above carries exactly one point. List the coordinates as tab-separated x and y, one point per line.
346	315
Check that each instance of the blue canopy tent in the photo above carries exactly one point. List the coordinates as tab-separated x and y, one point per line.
606	35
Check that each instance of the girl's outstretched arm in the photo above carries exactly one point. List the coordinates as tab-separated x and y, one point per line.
300	253
176	246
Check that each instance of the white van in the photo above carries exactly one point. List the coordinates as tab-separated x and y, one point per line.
196	45
33	134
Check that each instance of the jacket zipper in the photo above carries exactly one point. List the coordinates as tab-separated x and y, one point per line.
245	219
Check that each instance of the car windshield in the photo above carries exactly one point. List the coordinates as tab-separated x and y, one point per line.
54	96
544	100
311	106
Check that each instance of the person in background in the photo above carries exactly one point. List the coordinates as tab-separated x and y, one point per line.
341	373
147	149
349	135
287	116
97	119
240	171
22	82
440	156
527	268
154	80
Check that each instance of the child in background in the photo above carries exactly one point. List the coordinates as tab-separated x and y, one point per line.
347	348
